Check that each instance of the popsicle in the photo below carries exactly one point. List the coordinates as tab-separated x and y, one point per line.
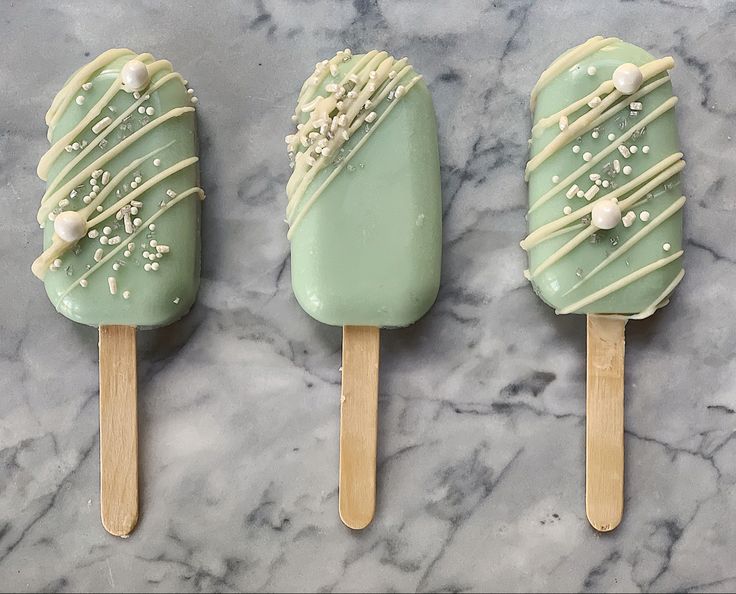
365	224
605	222
120	219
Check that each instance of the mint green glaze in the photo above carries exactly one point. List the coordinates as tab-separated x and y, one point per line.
368	252
553	285
157	297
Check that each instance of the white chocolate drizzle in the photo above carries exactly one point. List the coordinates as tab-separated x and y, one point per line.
328	115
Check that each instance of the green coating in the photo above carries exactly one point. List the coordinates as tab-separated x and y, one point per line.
368	252
554	284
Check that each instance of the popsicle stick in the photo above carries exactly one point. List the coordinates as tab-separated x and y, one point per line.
358	425
118	430
604	459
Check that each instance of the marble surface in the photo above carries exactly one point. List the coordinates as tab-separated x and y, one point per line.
481	412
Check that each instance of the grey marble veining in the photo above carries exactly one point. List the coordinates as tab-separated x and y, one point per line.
481	454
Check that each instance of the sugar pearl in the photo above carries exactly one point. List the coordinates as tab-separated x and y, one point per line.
135	75
606	214
70	225
627	78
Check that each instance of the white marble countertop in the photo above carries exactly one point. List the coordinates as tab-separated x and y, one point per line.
481	454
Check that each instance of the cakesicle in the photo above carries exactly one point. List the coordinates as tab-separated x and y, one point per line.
364	214
120	218
605	221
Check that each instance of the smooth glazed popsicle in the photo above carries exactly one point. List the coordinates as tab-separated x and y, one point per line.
605	223
365	208
605	203
121	209
121	232
365	224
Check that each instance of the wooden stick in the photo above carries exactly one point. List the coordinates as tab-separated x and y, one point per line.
604	459
118	430
358	425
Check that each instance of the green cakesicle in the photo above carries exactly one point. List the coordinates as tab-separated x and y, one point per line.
131	155
365	215
605	217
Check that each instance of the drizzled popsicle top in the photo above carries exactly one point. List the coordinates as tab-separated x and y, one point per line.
122	156
605	205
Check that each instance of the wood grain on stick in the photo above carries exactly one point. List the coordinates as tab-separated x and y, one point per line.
604	459
358	425
118	430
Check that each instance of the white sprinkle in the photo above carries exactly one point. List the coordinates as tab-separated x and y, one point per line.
170	193
594	176
136	203
83	282
567	210
87	86
576	149
97	173
57	263
190	91
98	254
116	266
141	110
592	70
72	194
572	191
150	111
136	95
113	284
627	169
93	234
564	121
63	202
645	149
126	294
617	165
156	162
137	222
666	247
68	148
629	218
101	125
592	191
555	179
587	157
114	240
345	135
326	151
147	267
595	134
52	216
333	69
644	215
155	266
625	152
75	146
79	99
176	300
370	117
105	177
594	102
162	249
399	91
635	106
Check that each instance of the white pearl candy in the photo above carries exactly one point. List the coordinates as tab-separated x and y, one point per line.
606	214
134	76
627	78
70	226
